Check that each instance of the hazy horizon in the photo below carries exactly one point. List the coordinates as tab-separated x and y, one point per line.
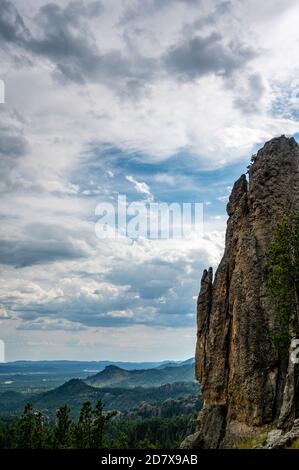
97	360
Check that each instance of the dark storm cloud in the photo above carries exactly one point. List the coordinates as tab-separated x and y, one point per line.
22	253
203	55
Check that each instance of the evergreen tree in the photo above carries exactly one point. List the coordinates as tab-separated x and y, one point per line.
84	427
98	425
26	428
30	432
283	281
123	441
146	444
63	428
38	435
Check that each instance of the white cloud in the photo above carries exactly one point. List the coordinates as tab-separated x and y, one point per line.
140	187
55	141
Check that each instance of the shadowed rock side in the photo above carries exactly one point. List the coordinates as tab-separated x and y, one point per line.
245	384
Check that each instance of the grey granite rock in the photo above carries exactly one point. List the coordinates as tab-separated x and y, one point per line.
236	365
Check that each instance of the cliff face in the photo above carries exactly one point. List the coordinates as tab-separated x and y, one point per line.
245	384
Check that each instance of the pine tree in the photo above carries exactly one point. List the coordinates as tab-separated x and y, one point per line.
63	428
123	441
84	427
38	435
99	424
30	432
283	281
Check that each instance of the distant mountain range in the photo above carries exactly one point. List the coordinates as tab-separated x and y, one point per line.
75	392
113	376
39	376
179	398
142	390
91	366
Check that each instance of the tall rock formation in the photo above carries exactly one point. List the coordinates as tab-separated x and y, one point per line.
246	384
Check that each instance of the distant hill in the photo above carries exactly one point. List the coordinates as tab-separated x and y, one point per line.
118	388
188	361
75	392
19	367
74	387
39	376
177	364
113	376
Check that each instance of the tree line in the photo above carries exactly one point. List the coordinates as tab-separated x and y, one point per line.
94	429
33	431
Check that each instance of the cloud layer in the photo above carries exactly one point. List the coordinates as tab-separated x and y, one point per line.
160	100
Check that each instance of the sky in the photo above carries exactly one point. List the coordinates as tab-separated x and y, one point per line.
158	100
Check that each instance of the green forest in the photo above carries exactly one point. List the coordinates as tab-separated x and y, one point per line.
94	429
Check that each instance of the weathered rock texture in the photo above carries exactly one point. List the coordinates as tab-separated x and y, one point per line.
277	439
245	384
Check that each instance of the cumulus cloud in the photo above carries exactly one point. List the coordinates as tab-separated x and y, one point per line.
140	186
161	100
130	82
48	324
118	294
21	253
64	39
205	55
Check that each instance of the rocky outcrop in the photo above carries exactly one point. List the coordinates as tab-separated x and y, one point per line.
277	439
245	384
186	405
